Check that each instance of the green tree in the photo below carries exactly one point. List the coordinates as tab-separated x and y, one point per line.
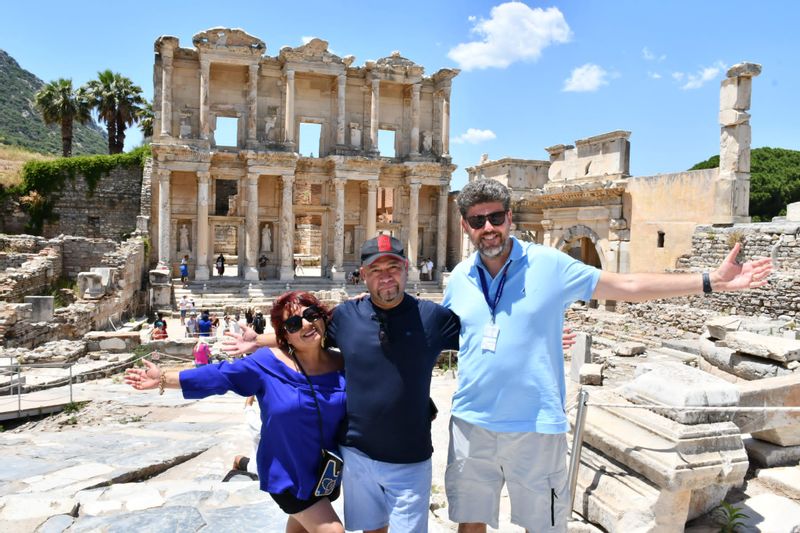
774	180
146	120
60	104
118	102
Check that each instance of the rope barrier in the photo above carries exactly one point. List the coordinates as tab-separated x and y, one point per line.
720	409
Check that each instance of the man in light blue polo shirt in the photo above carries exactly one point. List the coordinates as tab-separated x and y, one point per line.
509	423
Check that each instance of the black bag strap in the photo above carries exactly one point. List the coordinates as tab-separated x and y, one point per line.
313	394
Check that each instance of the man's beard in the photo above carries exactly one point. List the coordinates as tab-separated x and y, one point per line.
491	252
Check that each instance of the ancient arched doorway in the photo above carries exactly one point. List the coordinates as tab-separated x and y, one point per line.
580	242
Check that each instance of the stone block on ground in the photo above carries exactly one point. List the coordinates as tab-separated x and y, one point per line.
42	308
775	348
769	513
581	353
767	455
629	349
719	326
741	365
112	341
782	436
785	480
783	391
691	346
591	374
793	212
672	383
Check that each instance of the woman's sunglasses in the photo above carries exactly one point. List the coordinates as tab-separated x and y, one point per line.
497	218
293	324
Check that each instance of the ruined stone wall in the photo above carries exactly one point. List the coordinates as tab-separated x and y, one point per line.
29	274
109	211
81	254
779	298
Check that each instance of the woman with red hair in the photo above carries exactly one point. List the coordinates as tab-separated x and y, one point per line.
300	390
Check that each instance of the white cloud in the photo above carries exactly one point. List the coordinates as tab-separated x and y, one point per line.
649	55
513	32
701	77
586	78
474	136
654	75
472	18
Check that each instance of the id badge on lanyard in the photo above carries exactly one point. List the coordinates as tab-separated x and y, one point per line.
491	332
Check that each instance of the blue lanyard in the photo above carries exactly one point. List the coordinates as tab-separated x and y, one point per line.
499	293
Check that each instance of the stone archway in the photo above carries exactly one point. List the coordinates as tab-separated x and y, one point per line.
580	242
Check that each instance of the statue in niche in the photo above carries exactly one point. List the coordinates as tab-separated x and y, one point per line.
348	242
355	134
183	237
269	125
186	126
427	141
266	239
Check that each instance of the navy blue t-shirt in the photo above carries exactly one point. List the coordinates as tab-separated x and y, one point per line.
389	374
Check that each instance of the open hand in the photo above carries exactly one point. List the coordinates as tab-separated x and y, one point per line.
731	276
240	343
143	378
568	338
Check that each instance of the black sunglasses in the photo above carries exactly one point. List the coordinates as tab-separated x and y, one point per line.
497	218
293	324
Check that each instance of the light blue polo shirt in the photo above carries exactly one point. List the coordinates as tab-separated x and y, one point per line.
520	386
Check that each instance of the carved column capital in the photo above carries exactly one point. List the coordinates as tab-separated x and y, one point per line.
203	176
339	183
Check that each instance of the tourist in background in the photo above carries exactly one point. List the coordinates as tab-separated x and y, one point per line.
282	379
423	270
191	325
201	352
184	269
204	325
259	323
183	307
220	264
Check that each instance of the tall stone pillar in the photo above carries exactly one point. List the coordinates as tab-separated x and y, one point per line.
289	125
415	90
166	90
201	269
251	228
205	69
441	232
252	102
375	111
413	230
446	121
732	190
164	220
372	208
287	229
338	230
341	83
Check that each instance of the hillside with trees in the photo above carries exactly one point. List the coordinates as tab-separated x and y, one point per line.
22	125
774	180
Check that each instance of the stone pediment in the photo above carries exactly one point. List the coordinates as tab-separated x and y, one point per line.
314	51
232	40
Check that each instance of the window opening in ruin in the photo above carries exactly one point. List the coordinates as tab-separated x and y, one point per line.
386	140
588	166
310	139
226	244
227	132
226	195
308	246
660	239
385	210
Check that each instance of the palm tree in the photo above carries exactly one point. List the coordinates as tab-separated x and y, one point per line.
118	103
59	104
146	120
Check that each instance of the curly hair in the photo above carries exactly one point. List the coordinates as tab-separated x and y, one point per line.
481	191
289	303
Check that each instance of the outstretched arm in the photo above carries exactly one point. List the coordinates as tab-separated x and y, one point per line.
248	341
149	377
729	276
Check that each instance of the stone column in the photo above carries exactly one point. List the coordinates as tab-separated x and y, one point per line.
289	125
251	228
166	90
732	190
287	229
415	90
338	230
375	110
341	85
164	220
441	235
201	269
252	102
446	121
413	230
205	68
372	208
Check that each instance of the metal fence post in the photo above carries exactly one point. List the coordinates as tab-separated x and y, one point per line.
19	390
577	444
70	383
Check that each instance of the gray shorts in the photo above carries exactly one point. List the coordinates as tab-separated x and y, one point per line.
533	465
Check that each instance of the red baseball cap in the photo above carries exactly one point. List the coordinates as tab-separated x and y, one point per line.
381	246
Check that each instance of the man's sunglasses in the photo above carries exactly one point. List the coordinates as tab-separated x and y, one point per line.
293	324
497	218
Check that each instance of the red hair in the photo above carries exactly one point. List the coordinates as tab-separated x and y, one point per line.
287	304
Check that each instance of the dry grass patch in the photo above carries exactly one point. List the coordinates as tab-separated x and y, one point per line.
12	158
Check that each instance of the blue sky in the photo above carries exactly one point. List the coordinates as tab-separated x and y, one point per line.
534	74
